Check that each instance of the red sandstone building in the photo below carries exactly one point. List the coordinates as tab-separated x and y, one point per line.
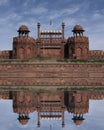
51	43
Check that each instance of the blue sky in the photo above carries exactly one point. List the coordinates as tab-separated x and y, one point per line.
88	13
94	120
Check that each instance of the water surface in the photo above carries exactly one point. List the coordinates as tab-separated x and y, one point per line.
68	110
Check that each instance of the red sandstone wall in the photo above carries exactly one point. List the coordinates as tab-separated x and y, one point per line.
23	47
62	74
50	52
5	54
78	47
96	54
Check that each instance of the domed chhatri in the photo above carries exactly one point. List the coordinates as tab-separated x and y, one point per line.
23	121
23	28
78	30
78	122
78	27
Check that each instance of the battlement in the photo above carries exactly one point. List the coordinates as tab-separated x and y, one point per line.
23	39
96	54
78	39
5	54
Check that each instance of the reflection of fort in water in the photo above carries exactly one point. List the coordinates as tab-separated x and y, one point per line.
51	105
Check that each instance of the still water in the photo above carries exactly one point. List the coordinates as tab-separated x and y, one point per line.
57	110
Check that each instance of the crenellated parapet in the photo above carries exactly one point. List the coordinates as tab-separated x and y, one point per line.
96	54
75	39
5	54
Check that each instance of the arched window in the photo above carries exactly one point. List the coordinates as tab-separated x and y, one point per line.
21	53
28	52
79	53
85	50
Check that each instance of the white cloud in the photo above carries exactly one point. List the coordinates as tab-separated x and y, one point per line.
97	16
26	3
2	2
36	11
32	11
65	12
9	19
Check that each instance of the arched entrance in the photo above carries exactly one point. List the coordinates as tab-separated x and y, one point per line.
79	53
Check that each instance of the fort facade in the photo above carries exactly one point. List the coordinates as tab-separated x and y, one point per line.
51	43
49	74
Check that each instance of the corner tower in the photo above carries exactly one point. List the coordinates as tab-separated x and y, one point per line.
23	45
78	44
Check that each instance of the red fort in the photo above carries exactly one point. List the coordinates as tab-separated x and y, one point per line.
88	71
51	43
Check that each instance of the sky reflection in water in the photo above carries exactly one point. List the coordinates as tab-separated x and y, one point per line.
94	119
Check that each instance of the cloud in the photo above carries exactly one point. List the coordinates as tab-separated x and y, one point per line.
26	3
36	11
11	19
97	16
3	2
62	13
29	12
